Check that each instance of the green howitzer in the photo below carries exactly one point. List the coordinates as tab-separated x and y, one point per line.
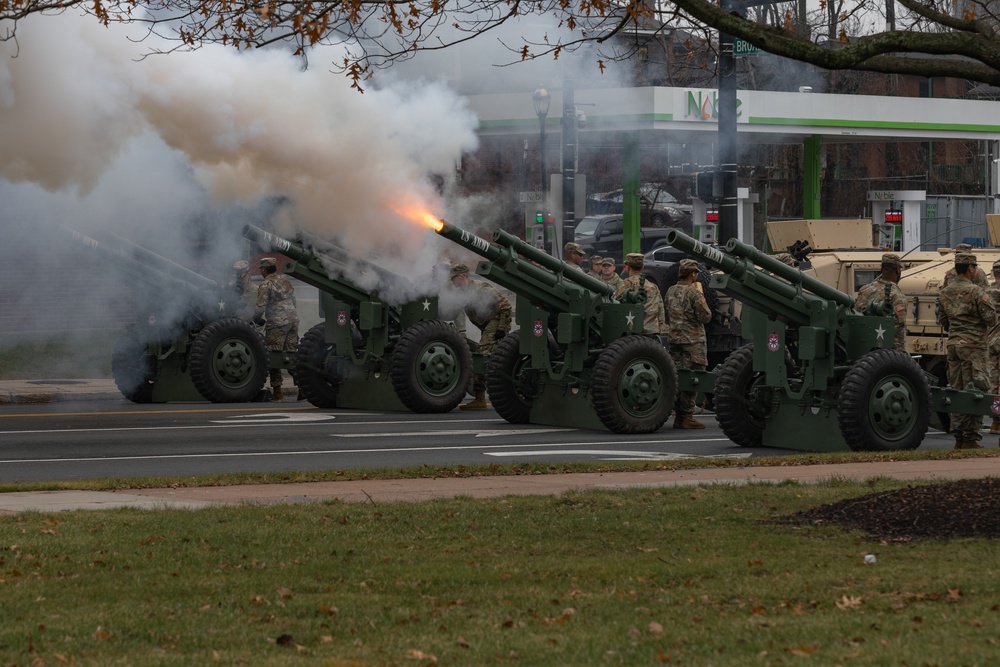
579	358
379	347
819	375
186	344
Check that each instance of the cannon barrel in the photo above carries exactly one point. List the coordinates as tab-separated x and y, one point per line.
547	272
342	257
792	275
309	266
160	273
548	261
786	294
170	266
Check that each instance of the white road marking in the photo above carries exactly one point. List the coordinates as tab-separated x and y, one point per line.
477	433
356	451
271	417
244	424
612	455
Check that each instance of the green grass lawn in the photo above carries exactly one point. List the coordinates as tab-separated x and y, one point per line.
677	576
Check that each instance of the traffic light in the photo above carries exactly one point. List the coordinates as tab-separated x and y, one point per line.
709	185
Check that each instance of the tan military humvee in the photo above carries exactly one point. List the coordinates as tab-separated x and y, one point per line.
845	256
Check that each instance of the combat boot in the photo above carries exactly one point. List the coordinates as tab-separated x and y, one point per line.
687	422
995	426
277	394
477	403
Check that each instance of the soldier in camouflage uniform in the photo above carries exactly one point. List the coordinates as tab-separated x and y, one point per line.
574	255
968	316
654	321
595	266
239	287
688	313
608	273
874	293
276	312
980	275
994	293
490	311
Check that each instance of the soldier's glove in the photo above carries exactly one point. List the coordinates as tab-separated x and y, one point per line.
259	321
499	335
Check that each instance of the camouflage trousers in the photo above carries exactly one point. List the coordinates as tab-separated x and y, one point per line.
487	341
692	356
968	368
281	339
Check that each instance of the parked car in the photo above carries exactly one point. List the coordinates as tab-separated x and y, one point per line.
602	235
657	207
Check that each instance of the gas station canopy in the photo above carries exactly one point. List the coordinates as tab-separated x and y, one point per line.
685	114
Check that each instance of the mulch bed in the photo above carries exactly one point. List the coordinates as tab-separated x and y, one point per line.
966	508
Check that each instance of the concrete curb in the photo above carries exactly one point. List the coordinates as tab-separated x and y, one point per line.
420	490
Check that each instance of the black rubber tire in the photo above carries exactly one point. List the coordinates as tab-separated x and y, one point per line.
313	376
740	416
633	385
505	382
884	403
430	367
133	367
228	362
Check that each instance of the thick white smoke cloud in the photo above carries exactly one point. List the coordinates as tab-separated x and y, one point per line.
247	124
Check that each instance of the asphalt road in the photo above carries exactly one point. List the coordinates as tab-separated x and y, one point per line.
99	439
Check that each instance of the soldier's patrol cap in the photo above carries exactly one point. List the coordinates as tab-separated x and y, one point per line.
687	266
610	261
892	259
268	261
965	258
963	247
574	247
996	266
634	260
458	270
596	259
241	265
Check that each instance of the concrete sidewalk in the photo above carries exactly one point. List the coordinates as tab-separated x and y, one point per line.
58	390
416	490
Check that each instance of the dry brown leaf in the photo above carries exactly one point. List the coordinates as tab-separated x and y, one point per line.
849	602
417	654
655	628
804	650
461	642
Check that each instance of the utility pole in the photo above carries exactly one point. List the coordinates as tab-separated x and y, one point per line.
569	139
727	151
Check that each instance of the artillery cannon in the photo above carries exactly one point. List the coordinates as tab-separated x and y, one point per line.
816	359
380	347
186	345
579	358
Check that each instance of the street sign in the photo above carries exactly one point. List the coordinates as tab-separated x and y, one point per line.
532	197
742	47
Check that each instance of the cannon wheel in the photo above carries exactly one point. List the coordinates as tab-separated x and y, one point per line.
506	381
884	403
430	367
133	367
741	411
633	385
313	356
228	361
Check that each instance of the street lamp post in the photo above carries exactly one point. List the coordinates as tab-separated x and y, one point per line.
540	99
